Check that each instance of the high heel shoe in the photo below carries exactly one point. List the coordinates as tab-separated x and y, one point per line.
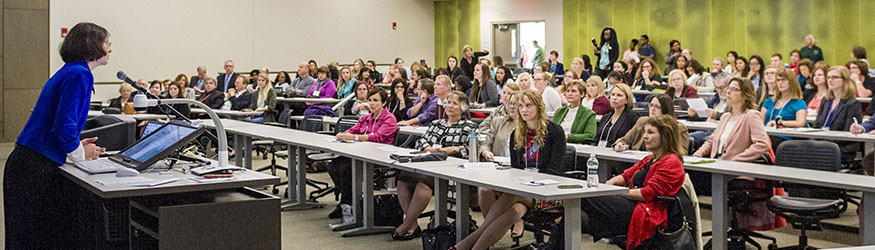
407	236
516	237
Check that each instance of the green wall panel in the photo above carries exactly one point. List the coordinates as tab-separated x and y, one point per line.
456	24
710	28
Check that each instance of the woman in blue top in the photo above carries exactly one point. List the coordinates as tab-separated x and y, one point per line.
345	83
36	196
787	102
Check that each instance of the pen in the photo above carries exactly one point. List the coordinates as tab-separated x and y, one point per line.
855	121
210	176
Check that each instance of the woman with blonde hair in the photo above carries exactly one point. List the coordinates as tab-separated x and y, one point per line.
469	59
345	83
677	85
263	100
537	145
525	81
620	120
577	121
787	104
594	97
839	108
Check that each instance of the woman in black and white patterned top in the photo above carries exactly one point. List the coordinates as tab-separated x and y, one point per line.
446	135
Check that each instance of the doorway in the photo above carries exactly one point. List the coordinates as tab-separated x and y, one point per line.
513	42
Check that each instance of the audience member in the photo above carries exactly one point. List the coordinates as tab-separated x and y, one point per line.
376	76
795	59
551	98
211	97
556	67
839	109
678	88
238	98
699	78
263	100
647	76
302	84
399	102
430	104
811	51
777	60
768	89
345	83
803	71
660	105
453	67
616	123
755	73
484	90
578	68
672	55
577	121
501	111
786	104
741	67
187	92
740	135
282	81
818	90
607	51
197	81
860	78
174	91
631	52
225	79
595	96
503	76
125	91
449	136
731	57
378	126
358	106
312	66
645	51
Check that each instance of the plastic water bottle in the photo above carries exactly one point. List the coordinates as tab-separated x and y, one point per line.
592	172
473	156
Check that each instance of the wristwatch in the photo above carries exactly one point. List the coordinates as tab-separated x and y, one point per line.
356	137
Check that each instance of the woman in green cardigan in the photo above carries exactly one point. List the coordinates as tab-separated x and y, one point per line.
581	124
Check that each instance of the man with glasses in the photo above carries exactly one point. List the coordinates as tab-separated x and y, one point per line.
716	106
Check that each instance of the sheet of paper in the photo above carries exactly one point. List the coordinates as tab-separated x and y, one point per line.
478	166
699	105
134	181
541	182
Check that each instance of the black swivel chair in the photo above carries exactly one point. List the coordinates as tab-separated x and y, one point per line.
805	213
311	123
542	221
113	132
275	149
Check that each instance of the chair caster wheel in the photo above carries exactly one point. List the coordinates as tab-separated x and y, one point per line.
773	246
276	191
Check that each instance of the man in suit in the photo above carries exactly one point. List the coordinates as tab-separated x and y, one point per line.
237	98
227	79
197	81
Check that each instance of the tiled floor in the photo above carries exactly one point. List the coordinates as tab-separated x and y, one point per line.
308	229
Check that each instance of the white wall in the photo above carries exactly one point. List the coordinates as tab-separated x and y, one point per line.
159	39
549	11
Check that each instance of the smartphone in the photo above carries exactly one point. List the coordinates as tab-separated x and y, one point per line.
569	186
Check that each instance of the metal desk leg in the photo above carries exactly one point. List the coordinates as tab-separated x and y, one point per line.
440	202
367	208
867	219
462	220
572	224
719	211
247	149
297	175
238	150
357	184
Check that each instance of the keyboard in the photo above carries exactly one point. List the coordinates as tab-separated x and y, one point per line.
99	166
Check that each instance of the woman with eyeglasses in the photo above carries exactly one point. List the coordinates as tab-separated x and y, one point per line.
740	135
840	108
449	136
678	88
818	90
647	76
536	145
399	102
551	98
577	121
660	104
787	104
767	89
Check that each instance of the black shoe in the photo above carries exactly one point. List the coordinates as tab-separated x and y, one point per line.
336	214
408	236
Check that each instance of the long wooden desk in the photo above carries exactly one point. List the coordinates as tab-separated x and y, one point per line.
234	114
723	171
307	99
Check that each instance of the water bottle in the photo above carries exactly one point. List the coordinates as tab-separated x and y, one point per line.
779	122
592	172
473	156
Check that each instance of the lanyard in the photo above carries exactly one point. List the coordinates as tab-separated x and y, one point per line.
609	130
830	115
779	111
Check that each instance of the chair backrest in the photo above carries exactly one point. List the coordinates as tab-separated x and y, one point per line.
809	154
284	117
344	123
569	162
312	123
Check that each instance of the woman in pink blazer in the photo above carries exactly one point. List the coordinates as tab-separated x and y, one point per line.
740	135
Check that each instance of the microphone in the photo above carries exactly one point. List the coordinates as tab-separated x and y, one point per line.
124	77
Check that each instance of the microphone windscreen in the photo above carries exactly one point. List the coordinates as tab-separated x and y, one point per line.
121	75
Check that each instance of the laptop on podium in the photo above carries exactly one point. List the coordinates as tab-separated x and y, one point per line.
151	148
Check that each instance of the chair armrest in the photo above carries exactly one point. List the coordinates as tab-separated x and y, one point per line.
325	132
275	124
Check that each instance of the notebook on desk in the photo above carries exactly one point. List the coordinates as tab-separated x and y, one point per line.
146	151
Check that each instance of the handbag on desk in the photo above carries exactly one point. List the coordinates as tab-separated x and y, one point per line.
434	156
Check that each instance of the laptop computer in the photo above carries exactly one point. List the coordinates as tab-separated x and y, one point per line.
150	127
146	151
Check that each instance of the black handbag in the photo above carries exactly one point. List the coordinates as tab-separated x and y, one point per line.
387	211
433	156
681	239
439	238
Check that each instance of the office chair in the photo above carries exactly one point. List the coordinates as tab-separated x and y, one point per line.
684	200
113	132
275	149
311	123
542	221
741	194
809	204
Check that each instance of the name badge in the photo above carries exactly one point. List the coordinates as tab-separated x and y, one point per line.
603	144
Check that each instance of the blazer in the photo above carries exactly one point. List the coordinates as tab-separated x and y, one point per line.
746	143
242	102
612	133
488	94
117	103
583	127
214	99
687	92
468	67
665	178
194	80
220	81
497	138
847	110
379	130
635	136
550	155
270	103
601	105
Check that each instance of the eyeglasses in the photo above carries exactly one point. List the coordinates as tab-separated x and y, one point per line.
833	77
734	89
782	80
539	79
